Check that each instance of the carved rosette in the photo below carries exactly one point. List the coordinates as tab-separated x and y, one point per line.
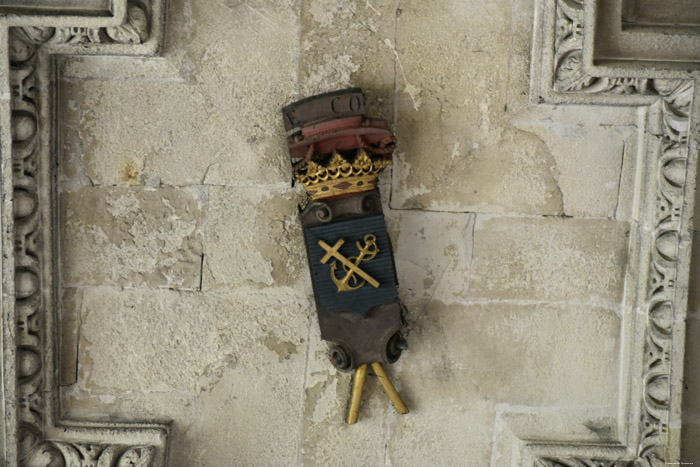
570	77
34	447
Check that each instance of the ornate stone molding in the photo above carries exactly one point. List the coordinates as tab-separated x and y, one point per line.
34	432
564	72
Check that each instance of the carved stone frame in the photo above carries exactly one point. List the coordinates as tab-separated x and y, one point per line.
564	70
34	432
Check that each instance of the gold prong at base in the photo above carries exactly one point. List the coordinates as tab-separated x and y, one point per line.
357	385
388	388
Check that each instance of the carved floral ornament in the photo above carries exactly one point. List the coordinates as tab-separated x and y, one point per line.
35	433
654	397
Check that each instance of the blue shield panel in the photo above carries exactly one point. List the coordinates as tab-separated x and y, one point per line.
380	267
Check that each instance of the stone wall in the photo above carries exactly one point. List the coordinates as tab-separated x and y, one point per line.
182	285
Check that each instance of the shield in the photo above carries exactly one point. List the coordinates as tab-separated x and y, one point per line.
352	268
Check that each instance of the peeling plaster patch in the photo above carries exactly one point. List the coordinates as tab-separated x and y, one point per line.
603	430
324	433
514	173
460	144
130	130
513	179
124	205
264	227
586	159
188	341
131	237
342	44
432	256
333	72
414	92
321	400
283	349
214	371
551	259
455	150
324	12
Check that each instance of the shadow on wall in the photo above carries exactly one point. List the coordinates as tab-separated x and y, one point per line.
691	384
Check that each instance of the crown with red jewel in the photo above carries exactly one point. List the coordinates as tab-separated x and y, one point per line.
338	150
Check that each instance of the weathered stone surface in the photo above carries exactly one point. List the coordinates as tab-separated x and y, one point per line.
462	156
691	440
124	133
590	157
510	175
253	237
691	402
194	337
223	127
549	259
465	359
433	255
690	443
694	287
217	352
132	237
347	44
249	417
505	353
70	334
519	354
228	368
459	148
182	288
326	438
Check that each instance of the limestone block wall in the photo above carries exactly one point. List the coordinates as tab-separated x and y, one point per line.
183	288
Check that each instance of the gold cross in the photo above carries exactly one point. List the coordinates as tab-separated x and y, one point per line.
351	264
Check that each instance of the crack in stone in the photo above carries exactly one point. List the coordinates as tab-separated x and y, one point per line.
619	181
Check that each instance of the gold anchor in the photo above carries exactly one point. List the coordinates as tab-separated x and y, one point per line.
351	264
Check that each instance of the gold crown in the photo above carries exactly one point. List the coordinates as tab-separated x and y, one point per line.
340	177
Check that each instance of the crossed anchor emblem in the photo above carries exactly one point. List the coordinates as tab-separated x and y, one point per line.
351	264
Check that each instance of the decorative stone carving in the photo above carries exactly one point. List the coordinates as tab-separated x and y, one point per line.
134	31
35	434
650	428
564	72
